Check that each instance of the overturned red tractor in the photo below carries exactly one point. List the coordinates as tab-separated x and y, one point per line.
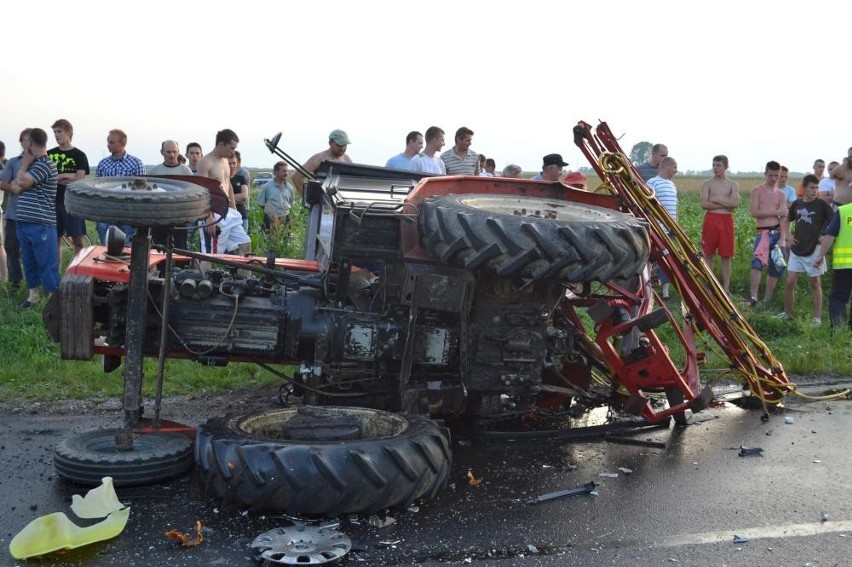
419	298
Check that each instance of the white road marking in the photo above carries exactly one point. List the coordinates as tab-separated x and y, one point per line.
753	533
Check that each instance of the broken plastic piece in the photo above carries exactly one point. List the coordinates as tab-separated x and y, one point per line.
587	488
378	522
185	540
625	470
56	531
789	420
740	539
748	451
609	474
390	542
99	502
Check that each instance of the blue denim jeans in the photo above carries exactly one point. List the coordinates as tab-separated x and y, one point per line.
40	254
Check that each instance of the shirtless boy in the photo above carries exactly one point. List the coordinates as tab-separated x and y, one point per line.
769	209
720	195
215	165
842	176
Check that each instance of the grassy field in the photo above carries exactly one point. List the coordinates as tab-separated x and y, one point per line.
33	370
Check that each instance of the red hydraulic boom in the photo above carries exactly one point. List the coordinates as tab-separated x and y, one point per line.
624	342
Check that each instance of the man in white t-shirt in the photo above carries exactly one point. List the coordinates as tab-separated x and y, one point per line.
428	161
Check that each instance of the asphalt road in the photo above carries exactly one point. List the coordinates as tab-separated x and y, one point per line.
686	496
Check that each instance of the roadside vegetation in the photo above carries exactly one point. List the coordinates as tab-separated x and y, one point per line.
32	368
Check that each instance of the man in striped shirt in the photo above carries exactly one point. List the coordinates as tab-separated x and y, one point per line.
35	186
460	160
666	193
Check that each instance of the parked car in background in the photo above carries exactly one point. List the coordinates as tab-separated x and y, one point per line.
261	178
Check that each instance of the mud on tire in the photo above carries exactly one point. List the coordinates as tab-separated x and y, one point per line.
246	461
534	238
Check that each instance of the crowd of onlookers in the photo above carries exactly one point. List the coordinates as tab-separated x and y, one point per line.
795	227
35	219
421	154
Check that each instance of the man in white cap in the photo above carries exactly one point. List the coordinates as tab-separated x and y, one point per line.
337	143
551	168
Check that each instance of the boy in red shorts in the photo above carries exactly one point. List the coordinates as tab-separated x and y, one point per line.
720	195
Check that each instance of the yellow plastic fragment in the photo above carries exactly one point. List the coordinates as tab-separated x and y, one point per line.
56	531
98	502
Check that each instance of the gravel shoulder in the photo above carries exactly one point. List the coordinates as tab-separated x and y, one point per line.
191	409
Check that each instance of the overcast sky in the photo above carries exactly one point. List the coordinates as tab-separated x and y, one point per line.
753	80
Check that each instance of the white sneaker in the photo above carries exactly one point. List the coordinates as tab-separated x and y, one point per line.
816	322
783	315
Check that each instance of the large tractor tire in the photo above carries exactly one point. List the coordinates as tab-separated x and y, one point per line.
157	456
322	461
534	238
138	201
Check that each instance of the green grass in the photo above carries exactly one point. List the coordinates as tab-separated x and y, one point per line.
32	368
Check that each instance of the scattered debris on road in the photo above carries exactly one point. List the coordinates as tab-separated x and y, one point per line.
750	451
56	531
185	539
379	522
300	545
633	441
587	488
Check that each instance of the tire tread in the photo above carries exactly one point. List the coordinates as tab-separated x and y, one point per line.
533	247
